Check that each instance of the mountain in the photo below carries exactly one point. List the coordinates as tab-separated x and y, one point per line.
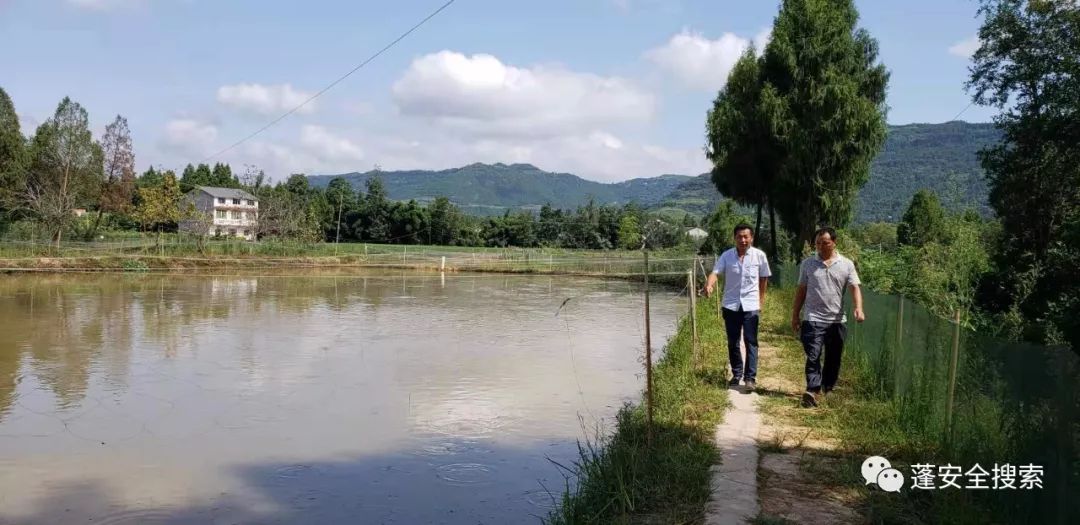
941	157
492	188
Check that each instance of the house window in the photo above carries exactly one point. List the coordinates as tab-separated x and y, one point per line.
221	214
236	201
221	200
232	232
236	214
251	203
247	232
217	231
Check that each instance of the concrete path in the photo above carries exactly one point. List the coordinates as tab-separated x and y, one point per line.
734	498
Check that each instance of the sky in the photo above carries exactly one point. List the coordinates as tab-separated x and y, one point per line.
605	89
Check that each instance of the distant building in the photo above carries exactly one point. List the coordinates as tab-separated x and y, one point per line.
79	212
230	212
697	234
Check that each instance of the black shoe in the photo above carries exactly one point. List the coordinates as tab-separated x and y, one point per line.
734	382
750	385
809	400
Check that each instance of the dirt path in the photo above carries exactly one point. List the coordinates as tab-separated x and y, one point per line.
788	489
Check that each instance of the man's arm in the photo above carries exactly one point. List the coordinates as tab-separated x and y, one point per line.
763	284
800	298
710	284
856	293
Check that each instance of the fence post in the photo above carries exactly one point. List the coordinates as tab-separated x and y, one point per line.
648	359
442	266
692	292
404	253
954	362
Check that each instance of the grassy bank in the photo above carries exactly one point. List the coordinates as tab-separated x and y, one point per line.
177	255
620	478
856	421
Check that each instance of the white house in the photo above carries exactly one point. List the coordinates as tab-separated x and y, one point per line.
697	234
234	213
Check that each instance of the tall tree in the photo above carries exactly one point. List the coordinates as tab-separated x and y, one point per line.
119	170
65	168
1028	67
740	140
12	155
824	98
923	222
445	220
222	177
164	205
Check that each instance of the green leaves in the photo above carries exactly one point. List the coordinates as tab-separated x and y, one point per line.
798	127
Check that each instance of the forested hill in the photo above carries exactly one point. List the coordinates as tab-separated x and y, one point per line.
941	157
492	188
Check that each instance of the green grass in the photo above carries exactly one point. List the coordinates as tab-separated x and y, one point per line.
620	478
865	422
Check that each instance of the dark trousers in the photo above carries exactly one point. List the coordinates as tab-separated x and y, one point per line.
814	336
746	323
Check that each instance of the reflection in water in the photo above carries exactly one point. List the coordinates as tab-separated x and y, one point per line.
405	398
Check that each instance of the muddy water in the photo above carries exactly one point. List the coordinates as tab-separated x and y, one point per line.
306	399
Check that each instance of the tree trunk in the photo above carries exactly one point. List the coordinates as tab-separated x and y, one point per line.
97	224
757	225
772	228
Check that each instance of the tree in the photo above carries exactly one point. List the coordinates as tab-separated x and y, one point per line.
163	205
445	220
119	170
65	168
629	233
923	222
375	213
721	228
823	96
12	155
741	144
1028	67
222	176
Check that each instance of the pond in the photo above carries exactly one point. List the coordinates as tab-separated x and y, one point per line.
316	398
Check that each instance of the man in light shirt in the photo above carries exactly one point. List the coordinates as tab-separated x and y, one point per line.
823	278
746	277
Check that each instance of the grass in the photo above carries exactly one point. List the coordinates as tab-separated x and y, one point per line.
862	421
620	478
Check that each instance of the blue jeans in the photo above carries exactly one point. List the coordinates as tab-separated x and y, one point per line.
815	337
746	323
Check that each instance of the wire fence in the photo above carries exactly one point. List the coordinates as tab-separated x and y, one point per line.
975	398
175	251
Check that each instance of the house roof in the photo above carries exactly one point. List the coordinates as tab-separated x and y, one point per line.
227	193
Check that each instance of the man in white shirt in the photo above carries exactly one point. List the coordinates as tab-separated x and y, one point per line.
746	277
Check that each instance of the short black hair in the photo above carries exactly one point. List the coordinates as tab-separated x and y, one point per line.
828	230
742	226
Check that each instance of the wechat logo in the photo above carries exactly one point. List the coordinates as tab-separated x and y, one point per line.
878	471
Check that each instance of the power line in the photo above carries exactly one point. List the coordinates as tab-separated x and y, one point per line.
972	103
336	82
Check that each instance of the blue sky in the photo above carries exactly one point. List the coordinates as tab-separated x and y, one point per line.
606	89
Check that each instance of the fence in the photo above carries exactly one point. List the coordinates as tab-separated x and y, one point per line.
667	266
975	399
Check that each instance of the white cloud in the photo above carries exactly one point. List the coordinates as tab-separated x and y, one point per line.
264	100
321	143
482	95
699	62
189	137
965	48
597	155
